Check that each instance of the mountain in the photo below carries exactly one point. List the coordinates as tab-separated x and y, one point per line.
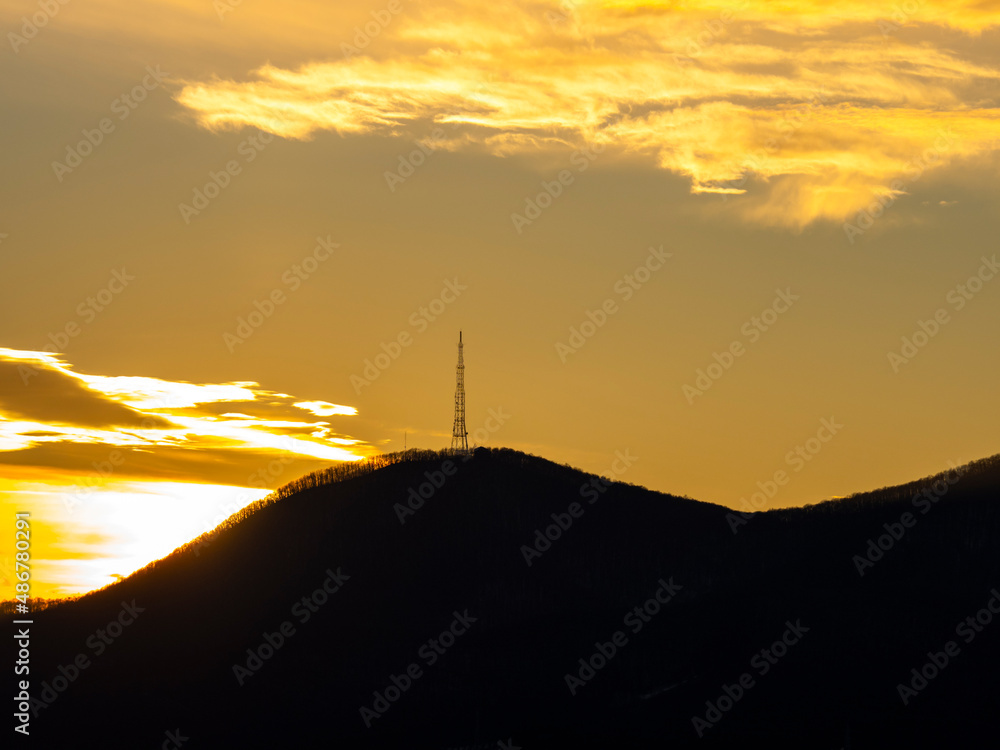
392	605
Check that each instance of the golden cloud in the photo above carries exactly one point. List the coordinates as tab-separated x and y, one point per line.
51	416
811	125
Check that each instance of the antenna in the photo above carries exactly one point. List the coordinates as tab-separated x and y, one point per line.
459	436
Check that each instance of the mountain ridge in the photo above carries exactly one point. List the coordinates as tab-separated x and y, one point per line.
209	608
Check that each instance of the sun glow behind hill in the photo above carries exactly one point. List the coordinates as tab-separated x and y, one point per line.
118	530
118	471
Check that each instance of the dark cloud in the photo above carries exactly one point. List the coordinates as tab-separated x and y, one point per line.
38	393
87	434
95	462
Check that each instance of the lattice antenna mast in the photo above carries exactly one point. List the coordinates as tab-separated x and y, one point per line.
459	437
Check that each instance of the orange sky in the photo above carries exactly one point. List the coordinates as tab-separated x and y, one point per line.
689	230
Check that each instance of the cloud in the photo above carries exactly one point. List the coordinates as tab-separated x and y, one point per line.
81	467
810	111
54	418
324	408
119	470
50	396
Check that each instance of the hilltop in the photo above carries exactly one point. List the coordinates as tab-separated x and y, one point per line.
433	600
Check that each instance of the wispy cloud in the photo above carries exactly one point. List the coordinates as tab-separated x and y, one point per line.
810	110
51	416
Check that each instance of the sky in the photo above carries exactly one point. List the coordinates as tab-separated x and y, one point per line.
750	246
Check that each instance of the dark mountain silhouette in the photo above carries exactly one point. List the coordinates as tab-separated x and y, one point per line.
513	632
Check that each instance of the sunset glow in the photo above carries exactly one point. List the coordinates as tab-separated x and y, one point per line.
114	467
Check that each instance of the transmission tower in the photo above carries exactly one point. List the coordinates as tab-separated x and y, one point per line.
459	437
